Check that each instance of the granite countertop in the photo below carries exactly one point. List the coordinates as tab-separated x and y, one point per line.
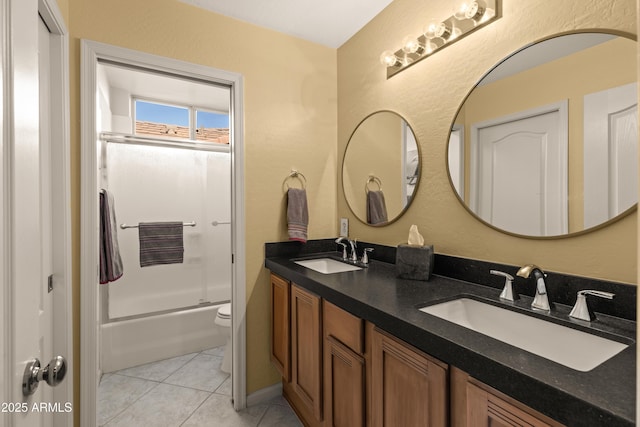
604	396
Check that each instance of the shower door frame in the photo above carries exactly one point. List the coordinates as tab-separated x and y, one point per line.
91	53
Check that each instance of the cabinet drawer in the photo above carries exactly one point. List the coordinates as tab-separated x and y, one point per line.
343	326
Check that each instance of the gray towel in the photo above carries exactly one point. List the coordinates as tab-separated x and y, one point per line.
161	243
376	208
297	214
110	261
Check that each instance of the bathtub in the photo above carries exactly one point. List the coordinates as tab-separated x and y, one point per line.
131	342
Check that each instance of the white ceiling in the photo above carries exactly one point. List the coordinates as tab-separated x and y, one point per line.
326	22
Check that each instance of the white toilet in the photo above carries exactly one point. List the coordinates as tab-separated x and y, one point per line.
223	319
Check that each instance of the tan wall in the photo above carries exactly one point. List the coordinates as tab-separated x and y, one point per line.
290	103
428	95
63	5
569	78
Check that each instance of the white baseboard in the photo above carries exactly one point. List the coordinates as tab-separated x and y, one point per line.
264	395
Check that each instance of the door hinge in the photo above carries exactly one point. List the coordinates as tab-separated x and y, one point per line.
233	258
50	283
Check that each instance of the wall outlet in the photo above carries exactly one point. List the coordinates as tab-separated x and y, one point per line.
344	227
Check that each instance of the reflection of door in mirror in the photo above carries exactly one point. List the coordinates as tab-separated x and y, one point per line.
456	158
610	153
519	170
410	163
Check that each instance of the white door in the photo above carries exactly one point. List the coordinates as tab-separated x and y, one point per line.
610	153
456	159
521	172
32	214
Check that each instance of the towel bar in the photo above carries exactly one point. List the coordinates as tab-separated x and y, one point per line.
296	174
184	224
375	180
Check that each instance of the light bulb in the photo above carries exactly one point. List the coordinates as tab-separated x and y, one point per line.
411	45
437	29
474	9
389	59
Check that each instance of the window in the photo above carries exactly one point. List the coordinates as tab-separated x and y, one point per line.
212	127
181	122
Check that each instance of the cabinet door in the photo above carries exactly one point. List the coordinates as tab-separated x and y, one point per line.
344	385
280	336
408	387
487	410
306	349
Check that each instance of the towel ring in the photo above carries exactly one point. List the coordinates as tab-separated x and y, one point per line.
295	174
372	179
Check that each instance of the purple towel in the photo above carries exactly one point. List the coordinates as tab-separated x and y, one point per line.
297	214
110	261
161	243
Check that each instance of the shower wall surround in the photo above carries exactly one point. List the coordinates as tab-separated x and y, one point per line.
168	184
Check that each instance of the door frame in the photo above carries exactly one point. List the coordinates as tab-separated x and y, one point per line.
91	53
61	178
5	225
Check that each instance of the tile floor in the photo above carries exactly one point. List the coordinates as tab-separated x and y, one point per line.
187	391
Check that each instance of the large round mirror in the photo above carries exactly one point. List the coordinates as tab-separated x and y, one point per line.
546	144
381	168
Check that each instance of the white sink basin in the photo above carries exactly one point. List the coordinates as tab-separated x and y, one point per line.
327	265
570	347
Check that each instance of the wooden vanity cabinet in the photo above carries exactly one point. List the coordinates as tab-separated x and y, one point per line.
344	368
339	371
475	404
408	387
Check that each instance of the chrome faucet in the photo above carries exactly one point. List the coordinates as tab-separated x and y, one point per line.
354	256
540	301
507	293
365	255
354	245
582	310
339	241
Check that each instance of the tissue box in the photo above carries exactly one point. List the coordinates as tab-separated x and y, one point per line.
414	262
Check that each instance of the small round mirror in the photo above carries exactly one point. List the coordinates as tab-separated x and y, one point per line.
381	168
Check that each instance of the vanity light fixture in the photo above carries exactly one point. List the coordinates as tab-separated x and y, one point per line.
468	16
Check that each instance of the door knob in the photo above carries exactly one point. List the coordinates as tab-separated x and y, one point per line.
53	374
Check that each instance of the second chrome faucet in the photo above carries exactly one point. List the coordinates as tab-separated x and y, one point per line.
541	299
354	255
